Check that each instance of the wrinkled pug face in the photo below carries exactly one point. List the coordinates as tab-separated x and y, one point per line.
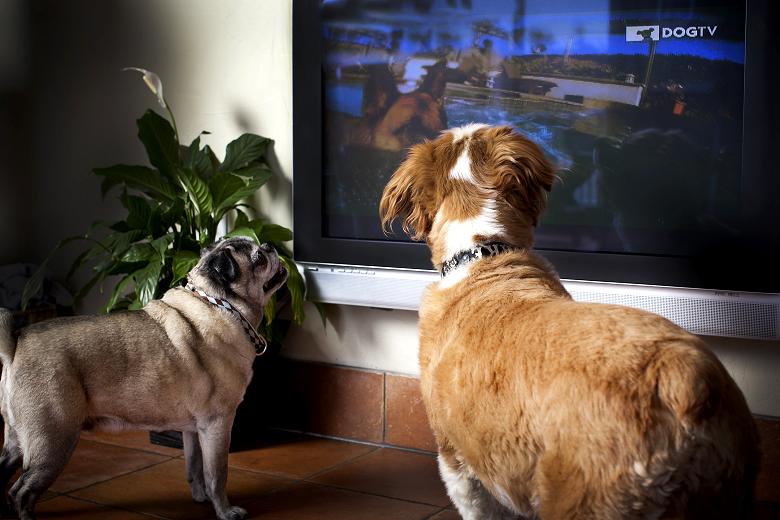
239	270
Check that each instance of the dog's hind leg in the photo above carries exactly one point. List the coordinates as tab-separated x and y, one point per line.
45	456
566	490
193	457
10	460
470	497
214	439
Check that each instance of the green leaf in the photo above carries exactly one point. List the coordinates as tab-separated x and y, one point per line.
160	245
156	226
119	226
227	189
118	292
246	149
159	139
183	262
215	164
197	190
198	160
104	265
124	267
241	219
146	280
78	262
188	242
231	188
139	253
243	232
124	303
296	287
274	233
97	277
278	331
256	171
207	229
269	313
174	214
97	249
115	244
138	211
141	178
34	284
188	153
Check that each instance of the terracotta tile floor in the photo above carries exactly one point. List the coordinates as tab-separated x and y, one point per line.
118	476
286	476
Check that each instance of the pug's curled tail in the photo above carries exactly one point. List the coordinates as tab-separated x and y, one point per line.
7	341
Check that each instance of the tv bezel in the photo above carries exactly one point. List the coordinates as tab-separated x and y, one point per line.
729	270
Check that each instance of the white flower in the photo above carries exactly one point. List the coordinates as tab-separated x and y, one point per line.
152	81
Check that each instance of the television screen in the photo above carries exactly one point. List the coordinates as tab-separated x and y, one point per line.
639	108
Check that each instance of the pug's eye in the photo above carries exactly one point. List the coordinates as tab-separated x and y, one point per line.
258	260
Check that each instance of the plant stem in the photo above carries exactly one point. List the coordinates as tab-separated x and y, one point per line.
173	121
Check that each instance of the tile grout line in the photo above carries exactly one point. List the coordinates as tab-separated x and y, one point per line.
443	509
117	445
357	441
367	493
271	493
111	506
286	476
306	478
384	407
118	476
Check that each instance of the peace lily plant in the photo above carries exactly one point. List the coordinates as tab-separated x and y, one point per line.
173	210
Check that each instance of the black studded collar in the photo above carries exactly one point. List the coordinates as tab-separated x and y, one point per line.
469	255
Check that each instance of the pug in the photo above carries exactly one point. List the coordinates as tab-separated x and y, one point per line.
181	363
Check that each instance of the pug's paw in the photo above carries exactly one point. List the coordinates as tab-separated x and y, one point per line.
198	495
235	513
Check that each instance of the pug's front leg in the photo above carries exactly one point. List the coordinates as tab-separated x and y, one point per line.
214	439
194	461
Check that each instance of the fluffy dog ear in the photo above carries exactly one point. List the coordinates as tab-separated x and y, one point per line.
410	194
522	173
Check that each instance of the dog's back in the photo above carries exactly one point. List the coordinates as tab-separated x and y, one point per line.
119	355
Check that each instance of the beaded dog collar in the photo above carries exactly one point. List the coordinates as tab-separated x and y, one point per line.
259	342
469	255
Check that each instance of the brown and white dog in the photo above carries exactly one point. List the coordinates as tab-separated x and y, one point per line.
542	406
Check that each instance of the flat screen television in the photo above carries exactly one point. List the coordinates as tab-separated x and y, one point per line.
661	118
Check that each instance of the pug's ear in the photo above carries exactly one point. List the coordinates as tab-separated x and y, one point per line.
223	266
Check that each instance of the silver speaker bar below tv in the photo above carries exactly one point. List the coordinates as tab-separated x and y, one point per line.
700	311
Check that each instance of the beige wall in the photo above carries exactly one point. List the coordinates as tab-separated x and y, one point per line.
227	68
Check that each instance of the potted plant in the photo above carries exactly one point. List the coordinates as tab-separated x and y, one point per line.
173	210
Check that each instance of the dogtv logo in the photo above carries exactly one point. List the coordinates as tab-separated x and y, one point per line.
640	33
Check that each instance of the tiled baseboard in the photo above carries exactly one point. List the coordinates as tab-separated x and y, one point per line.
347	403
768	485
386	409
